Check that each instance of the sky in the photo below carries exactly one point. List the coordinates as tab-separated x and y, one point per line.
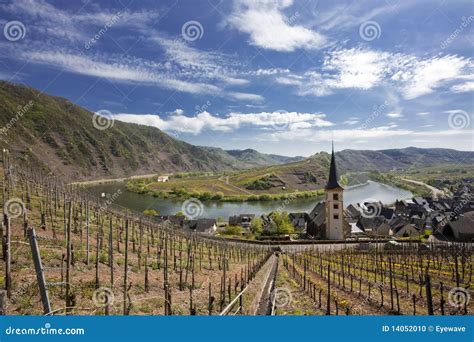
282	76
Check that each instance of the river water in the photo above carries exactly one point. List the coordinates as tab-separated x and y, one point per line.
212	209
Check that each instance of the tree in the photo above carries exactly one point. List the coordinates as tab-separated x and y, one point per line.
281	223
256	226
150	212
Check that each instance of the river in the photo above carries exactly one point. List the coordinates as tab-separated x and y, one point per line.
212	209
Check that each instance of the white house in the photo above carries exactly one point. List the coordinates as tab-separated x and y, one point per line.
163	179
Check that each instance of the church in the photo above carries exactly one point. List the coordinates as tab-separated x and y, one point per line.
326	220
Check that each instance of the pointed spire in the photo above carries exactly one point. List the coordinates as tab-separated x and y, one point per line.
332	180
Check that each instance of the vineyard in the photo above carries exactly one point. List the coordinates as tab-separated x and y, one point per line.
379	282
66	252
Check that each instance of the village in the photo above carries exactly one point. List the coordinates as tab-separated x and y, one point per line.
434	218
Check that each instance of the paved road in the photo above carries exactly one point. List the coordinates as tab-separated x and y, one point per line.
435	191
265	304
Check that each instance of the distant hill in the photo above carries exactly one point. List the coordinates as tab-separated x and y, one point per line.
402	159
57	135
257	159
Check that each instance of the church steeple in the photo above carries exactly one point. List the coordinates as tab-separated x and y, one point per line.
332	180
336	226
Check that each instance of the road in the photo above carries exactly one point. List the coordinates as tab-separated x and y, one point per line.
265	303
435	191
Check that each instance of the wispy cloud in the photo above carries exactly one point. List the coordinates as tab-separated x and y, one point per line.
47	18
463	87
394	115
352	121
371	134
366	69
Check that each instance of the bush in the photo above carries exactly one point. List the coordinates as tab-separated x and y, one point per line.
150	212
265	197
232	230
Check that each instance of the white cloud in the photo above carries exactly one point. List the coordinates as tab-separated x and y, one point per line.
366	69
420	77
286	121
352	121
268	72
268	27
133	70
59	23
245	96
290	80
423	113
371	134
394	115
463	87
356	68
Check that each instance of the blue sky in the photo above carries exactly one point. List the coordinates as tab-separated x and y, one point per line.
279	76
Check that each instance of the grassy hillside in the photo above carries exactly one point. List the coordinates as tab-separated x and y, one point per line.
255	158
55	134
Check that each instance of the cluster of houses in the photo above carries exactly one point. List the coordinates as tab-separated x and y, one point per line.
443	218
446	218
449	218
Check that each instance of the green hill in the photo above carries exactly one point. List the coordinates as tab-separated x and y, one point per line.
55	134
255	158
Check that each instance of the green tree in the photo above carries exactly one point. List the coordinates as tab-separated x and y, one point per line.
256	226
150	212
281	223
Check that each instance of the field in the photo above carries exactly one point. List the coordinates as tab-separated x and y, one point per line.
299	179
100	259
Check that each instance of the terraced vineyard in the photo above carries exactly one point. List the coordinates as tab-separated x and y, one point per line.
97	258
67	252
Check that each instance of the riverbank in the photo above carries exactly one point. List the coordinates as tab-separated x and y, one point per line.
223	209
434	191
415	188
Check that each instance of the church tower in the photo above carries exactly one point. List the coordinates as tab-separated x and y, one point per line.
334	204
